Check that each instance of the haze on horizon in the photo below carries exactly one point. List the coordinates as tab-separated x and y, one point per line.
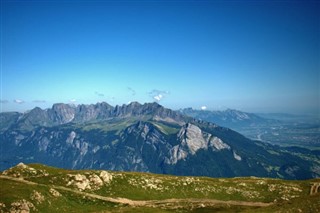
256	56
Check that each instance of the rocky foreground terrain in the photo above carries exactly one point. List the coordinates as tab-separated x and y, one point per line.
39	188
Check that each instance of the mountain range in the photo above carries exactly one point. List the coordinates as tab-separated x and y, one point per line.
230	118
301	130
143	137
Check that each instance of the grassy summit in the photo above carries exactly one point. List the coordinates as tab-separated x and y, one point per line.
37	187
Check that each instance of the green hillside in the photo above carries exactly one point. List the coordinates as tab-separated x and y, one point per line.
39	188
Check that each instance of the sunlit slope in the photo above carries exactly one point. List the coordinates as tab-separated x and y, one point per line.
41	188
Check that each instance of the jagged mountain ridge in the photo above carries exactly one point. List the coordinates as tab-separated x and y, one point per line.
138	137
230	118
64	113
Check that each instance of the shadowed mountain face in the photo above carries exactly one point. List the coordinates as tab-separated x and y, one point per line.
147	138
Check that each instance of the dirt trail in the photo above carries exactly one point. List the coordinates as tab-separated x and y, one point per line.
149	203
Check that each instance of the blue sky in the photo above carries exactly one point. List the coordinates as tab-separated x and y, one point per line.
258	56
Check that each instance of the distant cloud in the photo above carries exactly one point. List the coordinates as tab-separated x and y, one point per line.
72	101
18	101
4	101
203	108
99	94
133	92
158	95
39	101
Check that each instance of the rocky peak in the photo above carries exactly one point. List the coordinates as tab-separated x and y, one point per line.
124	110
152	106
134	104
103	105
93	111
238	115
137	109
7	119
36	110
134	108
60	106
35	117
62	113
140	127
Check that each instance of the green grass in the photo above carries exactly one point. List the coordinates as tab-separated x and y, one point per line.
145	186
120	124
301	204
168	130
12	191
107	126
112	124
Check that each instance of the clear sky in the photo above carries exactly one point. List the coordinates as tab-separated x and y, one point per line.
257	56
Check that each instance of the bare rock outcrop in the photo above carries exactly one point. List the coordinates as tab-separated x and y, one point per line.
106	177
22	206
89	181
193	139
55	193
37	197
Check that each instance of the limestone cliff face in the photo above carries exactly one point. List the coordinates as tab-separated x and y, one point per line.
61	113
192	139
